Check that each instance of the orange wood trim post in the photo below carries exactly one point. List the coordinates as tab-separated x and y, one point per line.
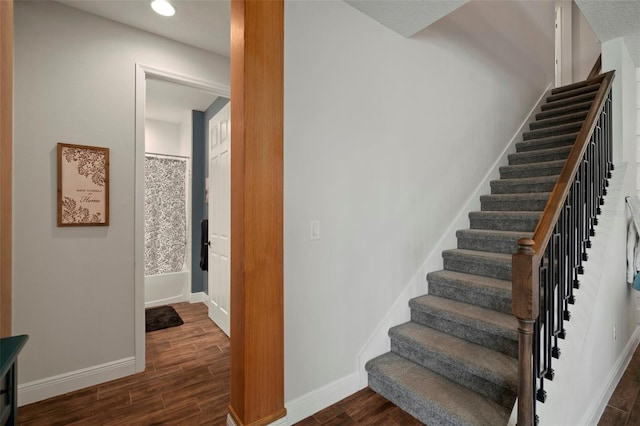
525	304
257	318
6	135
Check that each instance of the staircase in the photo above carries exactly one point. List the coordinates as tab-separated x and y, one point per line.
455	362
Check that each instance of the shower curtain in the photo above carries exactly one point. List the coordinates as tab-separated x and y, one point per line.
165	214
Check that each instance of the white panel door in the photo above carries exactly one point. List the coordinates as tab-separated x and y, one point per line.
219	217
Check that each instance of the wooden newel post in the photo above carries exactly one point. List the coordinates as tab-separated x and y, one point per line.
525	305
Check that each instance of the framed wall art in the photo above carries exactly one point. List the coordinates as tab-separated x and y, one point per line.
83	185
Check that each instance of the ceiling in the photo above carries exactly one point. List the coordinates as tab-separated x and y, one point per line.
205	23
173	102
406	17
615	18
199	23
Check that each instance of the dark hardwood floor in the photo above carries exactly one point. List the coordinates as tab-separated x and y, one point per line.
363	408
186	382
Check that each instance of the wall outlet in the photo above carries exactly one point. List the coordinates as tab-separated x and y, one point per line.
614	333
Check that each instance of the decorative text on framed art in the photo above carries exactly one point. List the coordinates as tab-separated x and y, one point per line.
83	185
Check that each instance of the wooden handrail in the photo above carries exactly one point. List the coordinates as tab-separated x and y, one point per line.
525	267
597	67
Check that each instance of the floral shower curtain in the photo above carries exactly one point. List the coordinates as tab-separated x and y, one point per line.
165	215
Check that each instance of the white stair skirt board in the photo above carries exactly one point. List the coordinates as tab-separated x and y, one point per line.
592	416
39	390
399	313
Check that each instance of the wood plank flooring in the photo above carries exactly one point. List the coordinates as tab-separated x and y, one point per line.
186	382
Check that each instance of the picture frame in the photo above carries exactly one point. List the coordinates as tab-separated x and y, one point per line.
83	185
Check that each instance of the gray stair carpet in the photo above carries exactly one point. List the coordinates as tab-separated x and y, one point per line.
455	361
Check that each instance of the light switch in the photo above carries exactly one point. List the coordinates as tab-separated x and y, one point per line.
314	230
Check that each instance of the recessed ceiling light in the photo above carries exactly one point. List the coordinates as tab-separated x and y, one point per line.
163	7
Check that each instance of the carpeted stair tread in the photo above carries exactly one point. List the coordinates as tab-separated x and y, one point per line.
429	397
559	129
587	97
523	185
524	221
490	240
562	119
540	155
555	112
546	168
528	201
487	292
479	361
479	318
546	143
476	262
572	86
571	93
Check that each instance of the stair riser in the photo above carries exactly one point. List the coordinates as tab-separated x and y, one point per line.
475	266
503	224
552	131
537	157
455	372
513	206
558	121
551	143
557	112
410	403
506	187
480	337
569	87
566	102
511	173
471	295
573	93
496	245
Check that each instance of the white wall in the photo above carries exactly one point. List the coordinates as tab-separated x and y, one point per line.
586	46
74	82
162	137
385	138
638	119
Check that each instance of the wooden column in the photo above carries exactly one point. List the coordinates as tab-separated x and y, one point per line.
257	330
525	304
6	135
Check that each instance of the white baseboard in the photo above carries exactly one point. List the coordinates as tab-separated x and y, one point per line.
39	390
199	297
314	401
230	421
592	415
283	421
379	342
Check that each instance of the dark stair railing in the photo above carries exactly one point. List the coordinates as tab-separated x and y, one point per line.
546	267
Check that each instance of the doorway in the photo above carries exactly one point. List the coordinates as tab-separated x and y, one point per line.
157	78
